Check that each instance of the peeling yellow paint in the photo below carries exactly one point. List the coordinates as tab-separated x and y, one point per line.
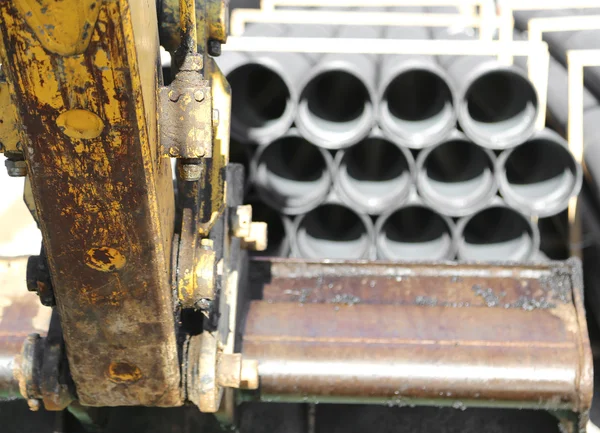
105	259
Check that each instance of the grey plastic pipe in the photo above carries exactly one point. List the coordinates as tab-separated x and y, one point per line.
497	104
540	176
456	177
497	233
558	94
338	99
416	97
292	175
561	42
279	229
333	231
374	174
591	150
264	88
414	231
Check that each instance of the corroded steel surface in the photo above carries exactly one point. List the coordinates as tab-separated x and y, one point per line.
449	334
104	196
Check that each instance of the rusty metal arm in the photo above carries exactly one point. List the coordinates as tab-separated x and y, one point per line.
83	76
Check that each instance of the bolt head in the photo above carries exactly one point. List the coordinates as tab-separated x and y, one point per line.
34	404
190	172
16	168
199	95
214	48
174	151
173	96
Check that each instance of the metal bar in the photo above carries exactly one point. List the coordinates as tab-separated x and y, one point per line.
187	21
439	334
241	17
86	94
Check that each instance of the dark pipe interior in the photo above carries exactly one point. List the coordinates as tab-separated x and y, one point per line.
497	233
499	96
259	96
541	169
458	169
333	231
294	171
336	96
374	168
417	95
415	233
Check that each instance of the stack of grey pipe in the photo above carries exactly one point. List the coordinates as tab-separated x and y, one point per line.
354	156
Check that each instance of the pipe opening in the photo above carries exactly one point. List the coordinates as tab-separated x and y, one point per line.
373	172
498	233
333	231
418	103
293	173
501	106
260	98
335	106
278	244
457	175
542	174
415	233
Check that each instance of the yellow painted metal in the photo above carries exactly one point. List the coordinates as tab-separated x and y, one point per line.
9	133
86	94
62	27
212	22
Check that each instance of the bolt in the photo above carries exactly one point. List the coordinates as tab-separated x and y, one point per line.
190	172
34	404
173	96
174	152
199	95
207	244
214	48
16	168
204	304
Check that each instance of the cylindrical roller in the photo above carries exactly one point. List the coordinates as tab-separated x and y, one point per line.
414	231
374	174
333	231
416	97
497	233
337	104
292	175
279	229
539	176
263	88
456	177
